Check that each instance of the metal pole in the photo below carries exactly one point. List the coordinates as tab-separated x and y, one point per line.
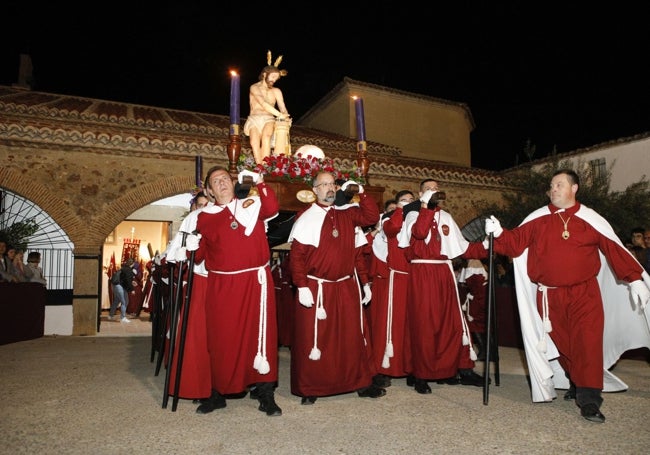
181	342
174	324
164	320
488	340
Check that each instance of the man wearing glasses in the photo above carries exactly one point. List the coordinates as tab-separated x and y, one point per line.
330	352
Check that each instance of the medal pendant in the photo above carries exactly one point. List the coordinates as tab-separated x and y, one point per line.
234	225
565	235
335	233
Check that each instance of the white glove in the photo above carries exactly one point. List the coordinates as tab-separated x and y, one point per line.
305	297
640	293
351	182
192	242
493	226
426	197
180	254
367	294
247	173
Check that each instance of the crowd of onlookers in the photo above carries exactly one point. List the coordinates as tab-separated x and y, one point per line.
14	270
639	245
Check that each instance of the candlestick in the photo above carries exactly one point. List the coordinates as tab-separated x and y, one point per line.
361	123
198	170
234	102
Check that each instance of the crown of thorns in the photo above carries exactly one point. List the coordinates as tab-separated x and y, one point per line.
269	59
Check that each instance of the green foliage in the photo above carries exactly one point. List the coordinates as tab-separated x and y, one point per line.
19	233
624	210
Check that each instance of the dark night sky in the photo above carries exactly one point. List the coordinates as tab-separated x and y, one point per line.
562	76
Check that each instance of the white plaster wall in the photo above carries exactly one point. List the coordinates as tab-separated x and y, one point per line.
58	320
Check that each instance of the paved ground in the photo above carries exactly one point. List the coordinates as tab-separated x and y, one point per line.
99	395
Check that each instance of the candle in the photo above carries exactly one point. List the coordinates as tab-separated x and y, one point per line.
234	98
198	171
361	123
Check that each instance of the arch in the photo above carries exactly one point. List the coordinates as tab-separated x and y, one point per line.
93	235
41	196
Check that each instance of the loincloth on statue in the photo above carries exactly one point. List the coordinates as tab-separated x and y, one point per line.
257	121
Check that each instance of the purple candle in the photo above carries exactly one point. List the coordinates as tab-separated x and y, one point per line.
198	170
234	98
361	122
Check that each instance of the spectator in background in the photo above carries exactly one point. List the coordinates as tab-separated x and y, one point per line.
19	265
5	265
199	201
33	270
11	268
637	244
121	290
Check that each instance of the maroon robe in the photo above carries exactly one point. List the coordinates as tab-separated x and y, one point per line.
388	307
237	303
435	319
345	362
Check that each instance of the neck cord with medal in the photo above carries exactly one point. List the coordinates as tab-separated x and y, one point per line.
234	225
330	211
565	232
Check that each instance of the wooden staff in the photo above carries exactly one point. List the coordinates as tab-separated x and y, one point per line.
489	325
174	323
181	342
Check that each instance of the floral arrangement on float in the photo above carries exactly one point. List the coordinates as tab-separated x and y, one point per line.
303	166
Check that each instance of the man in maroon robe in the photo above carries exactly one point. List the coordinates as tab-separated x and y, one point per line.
564	253
240	308
390	336
330	354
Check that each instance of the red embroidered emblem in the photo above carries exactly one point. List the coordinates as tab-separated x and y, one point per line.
445	229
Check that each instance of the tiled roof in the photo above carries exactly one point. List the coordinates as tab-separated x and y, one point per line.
73	121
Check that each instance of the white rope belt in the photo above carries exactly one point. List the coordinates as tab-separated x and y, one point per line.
261	363
431	261
546	321
320	311
388	351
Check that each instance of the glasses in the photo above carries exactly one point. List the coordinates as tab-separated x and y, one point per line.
332	185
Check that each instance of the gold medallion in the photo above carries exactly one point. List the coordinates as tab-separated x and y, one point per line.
335	232
565	235
234	225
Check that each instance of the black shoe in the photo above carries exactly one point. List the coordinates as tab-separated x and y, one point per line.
469	377
421	386
268	405
216	401
254	393
372	391
200	400
381	380
410	380
236	396
308	400
449	381
592	413
570	395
